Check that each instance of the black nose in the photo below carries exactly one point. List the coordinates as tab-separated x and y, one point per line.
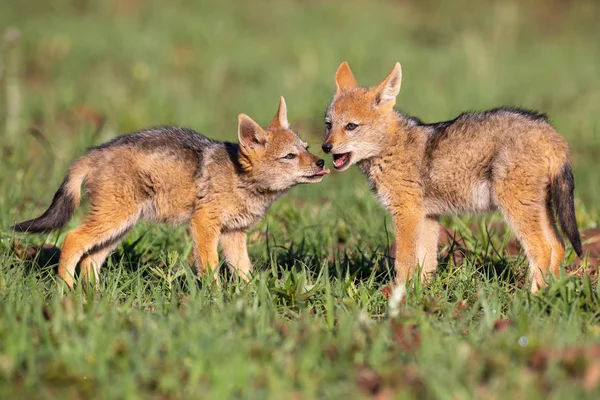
320	163
327	147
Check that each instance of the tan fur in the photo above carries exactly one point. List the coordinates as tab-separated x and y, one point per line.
500	160
221	189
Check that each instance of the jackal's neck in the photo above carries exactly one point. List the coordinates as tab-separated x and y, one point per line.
256	189
399	132
261	194
407	126
254	202
401	153
245	181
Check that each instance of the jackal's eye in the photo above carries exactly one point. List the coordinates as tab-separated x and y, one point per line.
350	126
289	156
328	125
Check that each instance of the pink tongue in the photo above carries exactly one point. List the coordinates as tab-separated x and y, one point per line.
340	161
324	172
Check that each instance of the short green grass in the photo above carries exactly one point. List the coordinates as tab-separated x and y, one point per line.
314	322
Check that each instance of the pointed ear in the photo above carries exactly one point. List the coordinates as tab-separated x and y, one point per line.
250	134
390	87
280	120
344	79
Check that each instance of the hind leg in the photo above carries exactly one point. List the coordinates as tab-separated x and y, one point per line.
522	200
530	230
558	247
102	227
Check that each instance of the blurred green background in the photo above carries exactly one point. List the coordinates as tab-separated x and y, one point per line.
77	73
133	63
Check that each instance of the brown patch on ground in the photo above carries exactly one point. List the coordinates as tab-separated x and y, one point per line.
461	308
591	255
581	363
501	325
46	254
371	384
385	385
406	335
387	290
368	381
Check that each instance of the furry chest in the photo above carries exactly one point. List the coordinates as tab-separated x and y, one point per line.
382	194
393	186
376	179
244	216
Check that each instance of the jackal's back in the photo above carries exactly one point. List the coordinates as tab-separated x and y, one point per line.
464	157
156	168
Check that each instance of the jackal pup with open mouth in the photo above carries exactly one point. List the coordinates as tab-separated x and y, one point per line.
173	175
505	159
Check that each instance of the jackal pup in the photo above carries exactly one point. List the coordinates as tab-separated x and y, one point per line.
171	174
506	159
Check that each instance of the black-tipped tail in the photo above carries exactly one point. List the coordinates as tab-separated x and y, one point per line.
562	197
56	216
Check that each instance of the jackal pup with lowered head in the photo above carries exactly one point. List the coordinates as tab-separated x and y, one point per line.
506	159
171	174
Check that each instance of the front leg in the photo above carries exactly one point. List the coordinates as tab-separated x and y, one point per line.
206	229
408	223
235	251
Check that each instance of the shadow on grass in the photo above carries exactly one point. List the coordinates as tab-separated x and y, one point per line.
47	256
361	265
477	255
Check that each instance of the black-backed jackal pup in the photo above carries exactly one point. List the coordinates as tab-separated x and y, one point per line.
174	175
505	159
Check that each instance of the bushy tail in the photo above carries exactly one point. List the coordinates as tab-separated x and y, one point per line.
562	197
65	201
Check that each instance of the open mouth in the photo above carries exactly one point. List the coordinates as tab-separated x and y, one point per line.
341	161
318	176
